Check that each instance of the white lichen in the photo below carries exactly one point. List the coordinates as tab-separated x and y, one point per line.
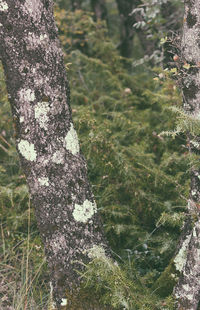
180	259
43	37
33	40
186	287
41	111
27	150
96	252
44	181
21	119
63	302
3	6
58	158
82	213
33	8
71	141
26	94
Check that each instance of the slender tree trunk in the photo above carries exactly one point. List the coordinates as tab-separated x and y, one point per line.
46	140
187	291
76	4
125	7
171	27
127	31
99	9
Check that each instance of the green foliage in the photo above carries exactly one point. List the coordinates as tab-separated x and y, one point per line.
110	282
140	179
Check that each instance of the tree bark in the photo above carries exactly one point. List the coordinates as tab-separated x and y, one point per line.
46	140
187	290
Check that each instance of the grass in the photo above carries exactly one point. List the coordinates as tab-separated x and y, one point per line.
23	275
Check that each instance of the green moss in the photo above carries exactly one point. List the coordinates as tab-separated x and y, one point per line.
165	283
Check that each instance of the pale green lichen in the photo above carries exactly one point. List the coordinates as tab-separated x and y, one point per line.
21	119
96	252
44	181
58	158
3	6
41	111
26	94
195	143
180	259
71	141
63	302
33	40
43	37
33	8
27	150
82	213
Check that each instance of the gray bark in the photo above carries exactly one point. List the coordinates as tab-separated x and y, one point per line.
46	140
187	291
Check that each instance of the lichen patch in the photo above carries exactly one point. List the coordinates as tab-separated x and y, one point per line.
43	37
26	94
180	259
58	157
82	213
3	6
96	252
41	111
27	150
33	40
63	302
33	8
44	181
21	119
71	141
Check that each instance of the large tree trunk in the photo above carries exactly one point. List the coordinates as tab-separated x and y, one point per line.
187	291
46	140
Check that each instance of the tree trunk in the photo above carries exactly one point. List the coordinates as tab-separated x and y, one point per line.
76	4
99	9
187	291
127	31
46	140
171	27
125	7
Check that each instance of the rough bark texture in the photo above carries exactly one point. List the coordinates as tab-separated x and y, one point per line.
187	291
46	140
